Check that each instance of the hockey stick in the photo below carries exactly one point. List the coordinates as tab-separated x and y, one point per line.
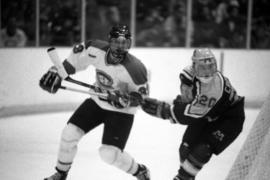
52	52
69	79
102	95
61	70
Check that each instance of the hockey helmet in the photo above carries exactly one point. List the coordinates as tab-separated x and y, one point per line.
204	64
120	42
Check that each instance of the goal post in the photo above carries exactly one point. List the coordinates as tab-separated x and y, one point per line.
253	160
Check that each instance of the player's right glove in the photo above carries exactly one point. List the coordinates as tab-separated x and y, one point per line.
100	90
123	100
135	98
118	99
51	81
156	108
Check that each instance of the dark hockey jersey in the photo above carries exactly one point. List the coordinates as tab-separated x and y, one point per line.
210	101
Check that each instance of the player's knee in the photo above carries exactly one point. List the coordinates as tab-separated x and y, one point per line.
184	151
201	153
114	156
109	154
70	137
196	159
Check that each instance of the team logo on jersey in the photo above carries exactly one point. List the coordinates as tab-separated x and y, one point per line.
218	135
78	48
104	79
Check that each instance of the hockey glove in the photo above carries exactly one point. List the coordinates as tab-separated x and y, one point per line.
118	99
156	108
51	81
135	99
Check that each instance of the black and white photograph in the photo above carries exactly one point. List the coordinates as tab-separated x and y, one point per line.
134	90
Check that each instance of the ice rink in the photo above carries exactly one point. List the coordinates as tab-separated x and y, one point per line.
29	144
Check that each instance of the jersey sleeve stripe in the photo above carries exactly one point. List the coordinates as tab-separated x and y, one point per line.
69	67
173	119
187	74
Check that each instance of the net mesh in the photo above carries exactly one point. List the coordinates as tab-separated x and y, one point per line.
253	160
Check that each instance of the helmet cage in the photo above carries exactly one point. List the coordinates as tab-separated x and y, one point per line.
204	63
203	69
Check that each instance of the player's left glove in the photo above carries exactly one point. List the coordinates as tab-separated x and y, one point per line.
156	108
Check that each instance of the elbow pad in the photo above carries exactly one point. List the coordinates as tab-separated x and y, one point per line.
70	69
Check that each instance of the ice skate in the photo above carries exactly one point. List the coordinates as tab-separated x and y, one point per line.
59	175
177	177
143	173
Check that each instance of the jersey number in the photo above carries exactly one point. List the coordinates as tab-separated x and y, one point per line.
205	101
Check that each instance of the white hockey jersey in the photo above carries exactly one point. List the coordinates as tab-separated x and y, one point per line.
130	75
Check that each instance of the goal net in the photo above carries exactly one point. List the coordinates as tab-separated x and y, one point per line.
253	160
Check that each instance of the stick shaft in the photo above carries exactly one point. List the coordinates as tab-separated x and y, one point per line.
84	91
69	79
54	57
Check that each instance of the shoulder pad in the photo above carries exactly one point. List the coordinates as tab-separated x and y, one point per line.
188	72
103	45
187	75
185	80
136	69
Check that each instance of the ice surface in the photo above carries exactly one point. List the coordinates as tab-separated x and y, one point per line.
29	144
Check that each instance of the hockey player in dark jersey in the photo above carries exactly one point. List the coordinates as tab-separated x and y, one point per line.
121	75
209	106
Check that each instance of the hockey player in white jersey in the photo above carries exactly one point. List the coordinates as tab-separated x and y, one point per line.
117	72
209	106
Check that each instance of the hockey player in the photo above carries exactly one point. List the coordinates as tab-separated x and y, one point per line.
117	72
209	106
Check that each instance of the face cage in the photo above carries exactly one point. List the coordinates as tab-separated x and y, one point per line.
205	70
